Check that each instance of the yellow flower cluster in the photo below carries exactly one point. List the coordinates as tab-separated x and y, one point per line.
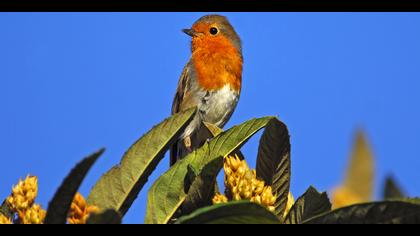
22	203
23	194
34	215
242	184
5	220
22	199
80	210
219	198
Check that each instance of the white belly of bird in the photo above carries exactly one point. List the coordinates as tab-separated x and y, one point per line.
218	106
215	107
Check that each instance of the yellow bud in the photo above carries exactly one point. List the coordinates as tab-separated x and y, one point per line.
33	215
247	195
241	183
259	189
237	197
241	171
247	187
238	162
273	200
228	171
76	210
271	208
231	181
10	201
80	211
79	201
5	220
235	190
257	199
233	162
228	164
23	194
264	201
249	176
219	198
227	167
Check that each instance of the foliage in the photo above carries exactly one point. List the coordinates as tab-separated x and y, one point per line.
61	203
119	187
237	212
310	204
187	193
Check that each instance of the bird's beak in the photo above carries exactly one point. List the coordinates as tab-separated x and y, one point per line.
190	32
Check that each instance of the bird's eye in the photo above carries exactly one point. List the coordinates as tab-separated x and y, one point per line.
213	31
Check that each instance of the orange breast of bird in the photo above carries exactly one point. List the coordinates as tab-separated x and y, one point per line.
217	63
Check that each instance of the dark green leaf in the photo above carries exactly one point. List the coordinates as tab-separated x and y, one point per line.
392	190
310	204
6	211
191	176
201	191
235	212
273	162
118	188
215	130
168	192
59	206
108	217
202	188
388	212
409	200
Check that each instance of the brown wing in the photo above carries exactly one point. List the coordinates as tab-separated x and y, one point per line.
181	90
177	106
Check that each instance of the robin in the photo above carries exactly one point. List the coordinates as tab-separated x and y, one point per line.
210	81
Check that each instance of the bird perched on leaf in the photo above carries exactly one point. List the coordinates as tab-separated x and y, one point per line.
210	81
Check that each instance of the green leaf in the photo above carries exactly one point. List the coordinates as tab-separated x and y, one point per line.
409	200
108	217
6	211
59	206
234	212
310	204
215	130
360	173
118	188
388	212
169	192
273	162
202	188
392	189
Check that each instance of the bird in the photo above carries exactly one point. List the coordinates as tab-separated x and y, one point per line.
211	81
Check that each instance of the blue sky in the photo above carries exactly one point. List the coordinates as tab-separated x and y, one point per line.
71	83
